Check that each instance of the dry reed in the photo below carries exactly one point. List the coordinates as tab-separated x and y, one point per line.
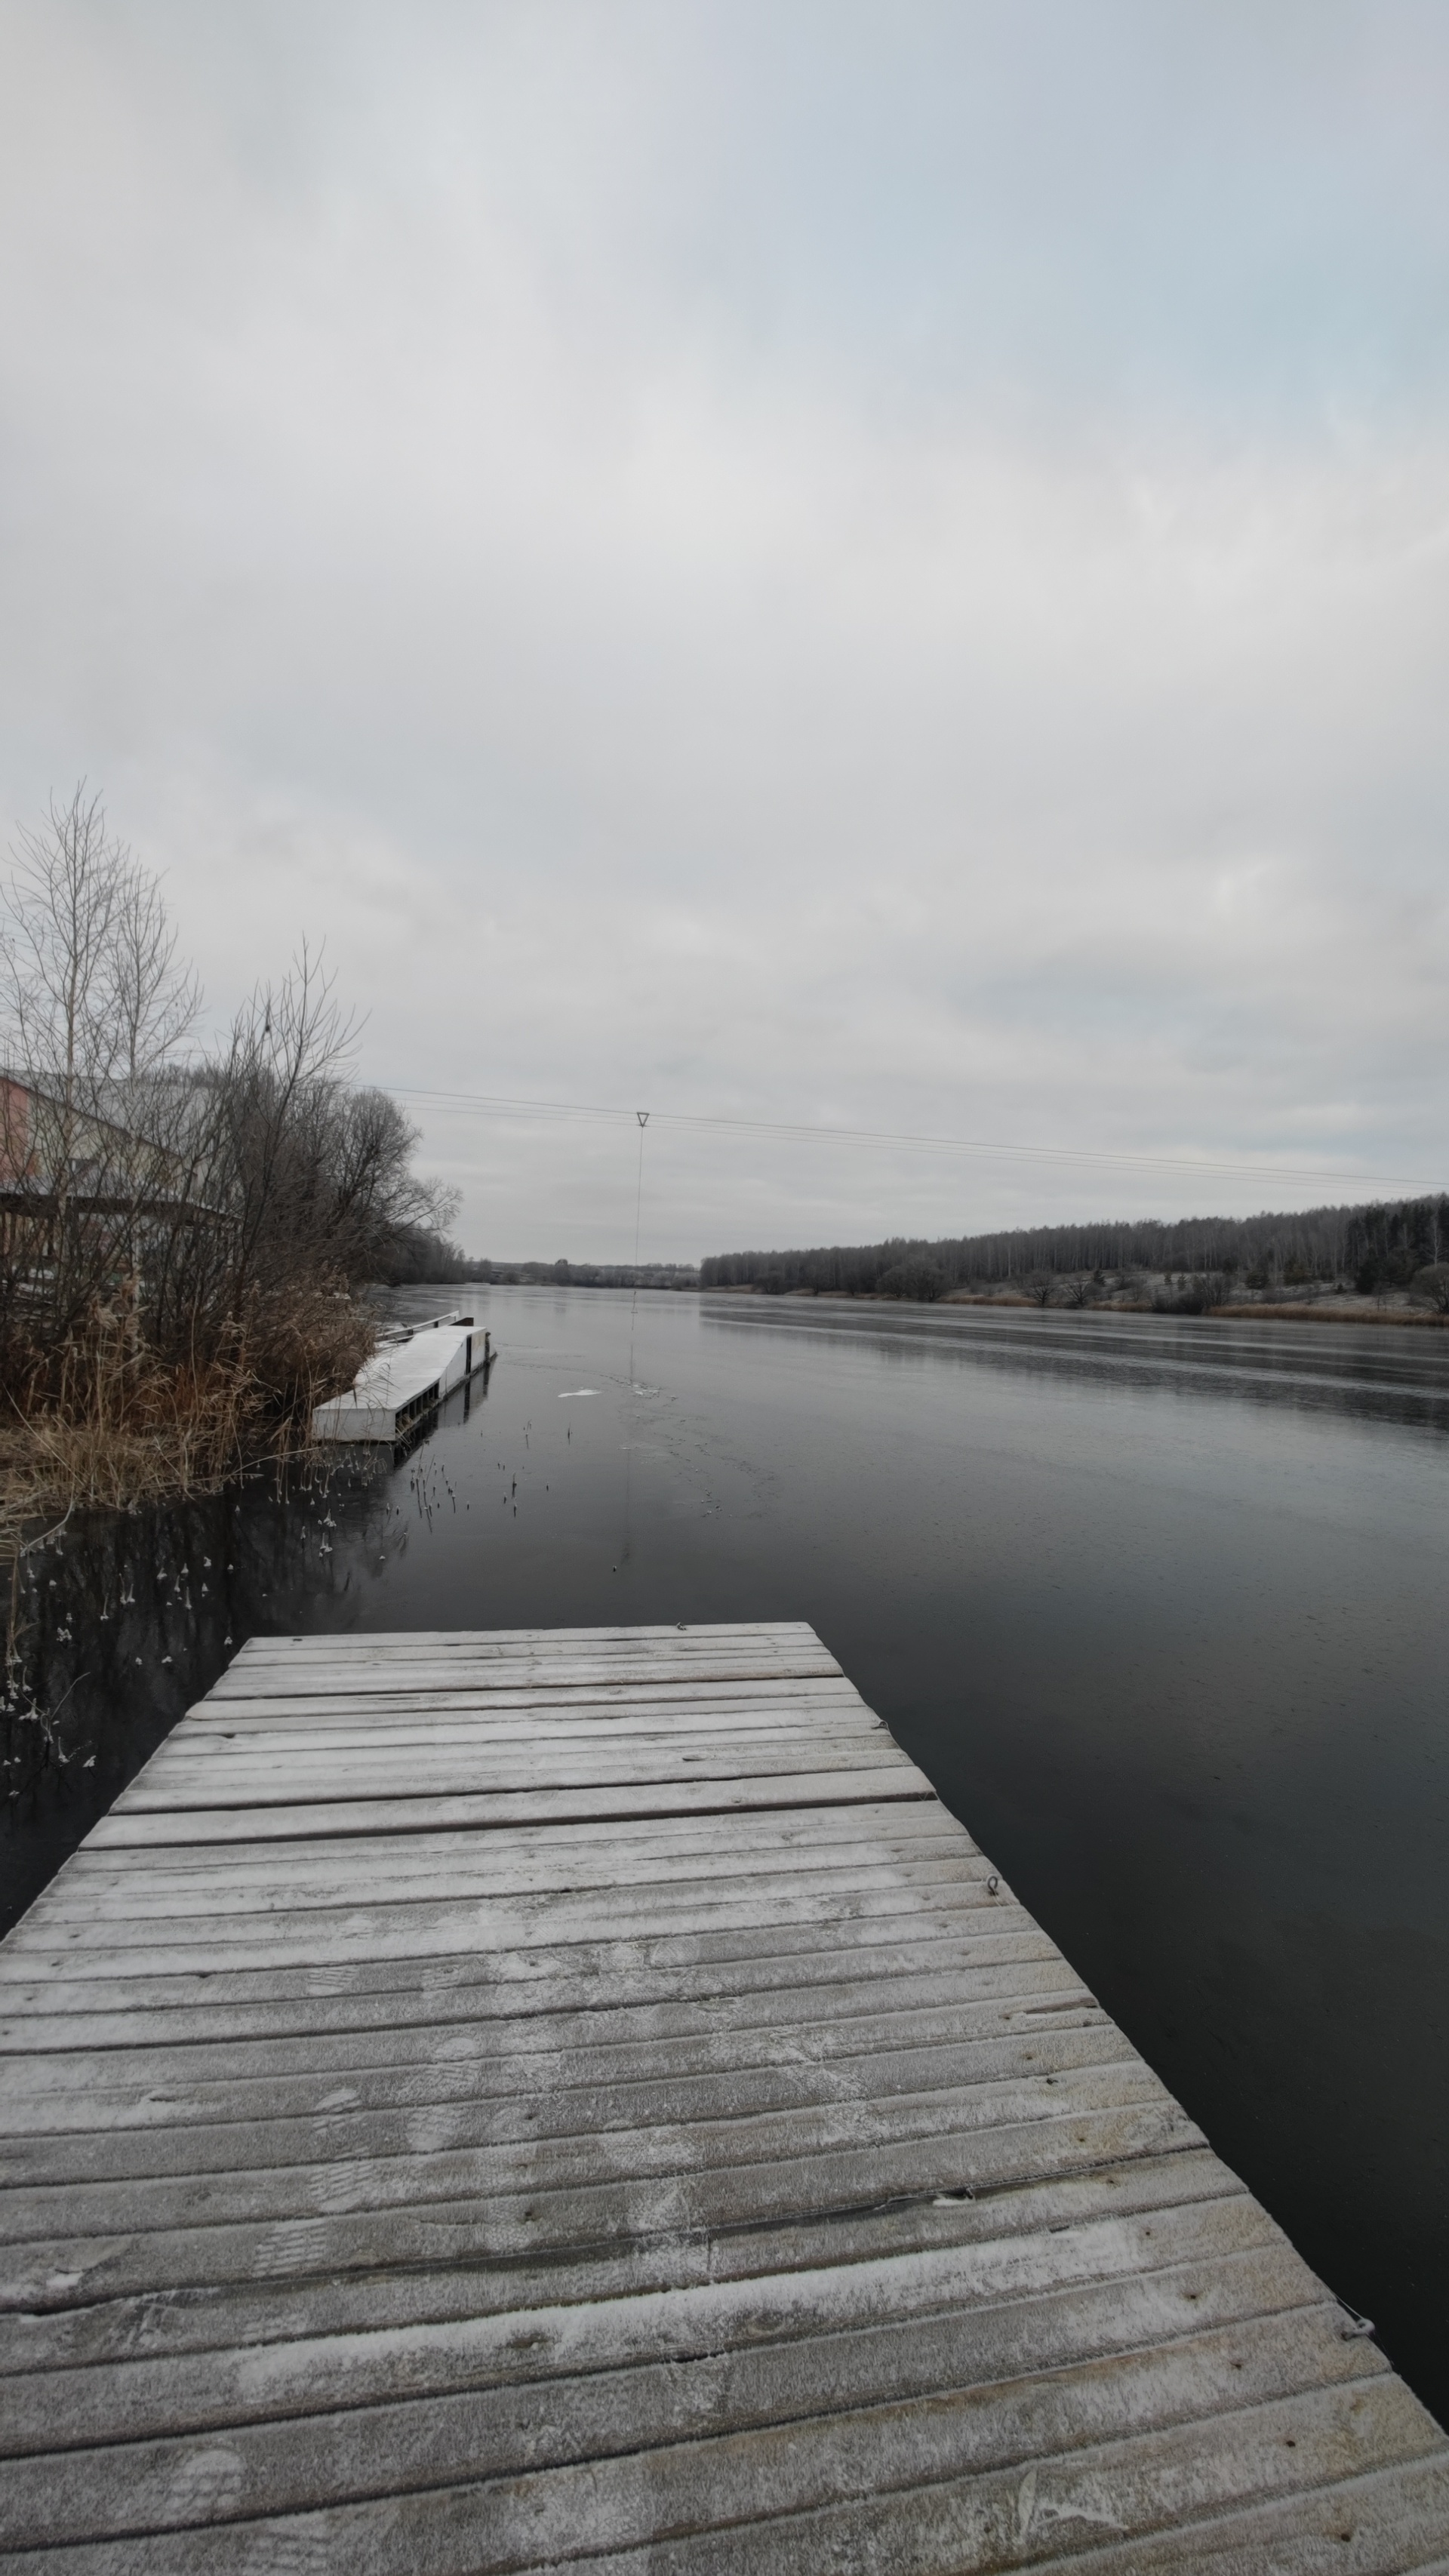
114	1424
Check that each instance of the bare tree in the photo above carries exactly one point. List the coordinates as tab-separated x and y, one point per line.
92	1007
161	1223
154	1002
288	1047
55	954
311	1179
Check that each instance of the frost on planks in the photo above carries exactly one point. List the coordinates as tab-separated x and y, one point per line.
482	2099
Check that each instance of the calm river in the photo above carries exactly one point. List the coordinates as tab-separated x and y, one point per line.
1160	1606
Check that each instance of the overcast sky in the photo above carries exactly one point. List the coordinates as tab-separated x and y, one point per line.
883	566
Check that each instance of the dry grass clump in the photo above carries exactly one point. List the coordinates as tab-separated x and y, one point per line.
304	1343
108	1423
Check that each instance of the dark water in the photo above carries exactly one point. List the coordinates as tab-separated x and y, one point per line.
1160	1606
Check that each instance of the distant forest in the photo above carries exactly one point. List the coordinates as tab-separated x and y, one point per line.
1374	1247
425	1259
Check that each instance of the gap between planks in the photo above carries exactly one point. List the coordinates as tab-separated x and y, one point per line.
769	2052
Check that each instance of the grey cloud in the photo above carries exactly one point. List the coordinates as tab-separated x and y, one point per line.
525	510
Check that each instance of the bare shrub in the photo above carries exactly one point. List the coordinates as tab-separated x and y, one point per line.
313	1178
1197	1295
180	1244
921	1281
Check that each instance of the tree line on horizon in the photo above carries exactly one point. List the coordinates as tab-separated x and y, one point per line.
1376	1246
421	1259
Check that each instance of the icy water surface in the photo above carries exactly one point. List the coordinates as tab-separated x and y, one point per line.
1160	1606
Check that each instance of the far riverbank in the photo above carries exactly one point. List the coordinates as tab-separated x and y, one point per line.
1329	1309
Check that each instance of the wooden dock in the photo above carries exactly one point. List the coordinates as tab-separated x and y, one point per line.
518	2101
405	1381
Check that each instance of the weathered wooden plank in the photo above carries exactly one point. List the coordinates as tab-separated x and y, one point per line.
709	1967
604	1708
1195	2267
341	1936
723	1637
572	1685
83	1909
377	2162
1256	2341
471	2021
880	1813
137	1824
1123	2446
467	2022
254	1729
389	1720
203	1752
363	1934
865	1827
567	1690
86	1907
351	1946
708	1683
151	2085
569	1676
365	1679
771	1835
547	2092
496	2101
1147	2194
1038	2506
597	1700
1214	2258
241	2134
203	1761
717	1650
1380	2523
1044	2506
425	1922
877	1809
730	1639
132	1877
169	1907
563	1645
539	2224
169	1882
727	1632
168	2126
239	1780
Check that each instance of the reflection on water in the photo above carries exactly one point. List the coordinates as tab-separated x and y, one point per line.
1157	1602
126	1619
1405	1368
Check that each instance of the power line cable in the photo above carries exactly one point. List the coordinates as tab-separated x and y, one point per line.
804	1132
